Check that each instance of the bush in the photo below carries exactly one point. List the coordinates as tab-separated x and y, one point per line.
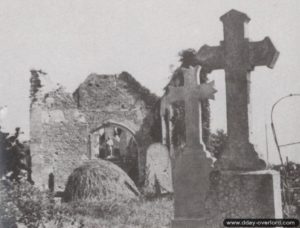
23	203
217	143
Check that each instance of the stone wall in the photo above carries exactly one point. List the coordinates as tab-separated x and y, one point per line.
108	97
59	133
120	99
61	123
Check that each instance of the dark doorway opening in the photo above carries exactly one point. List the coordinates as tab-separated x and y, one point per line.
116	143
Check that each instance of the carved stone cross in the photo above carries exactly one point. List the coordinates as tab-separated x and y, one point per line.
191	93
193	166
237	56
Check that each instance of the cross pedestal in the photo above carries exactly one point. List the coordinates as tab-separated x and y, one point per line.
235	194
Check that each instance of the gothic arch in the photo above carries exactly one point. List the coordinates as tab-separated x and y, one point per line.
124	127
117	124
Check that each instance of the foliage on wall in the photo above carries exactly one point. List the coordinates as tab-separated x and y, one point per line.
35	85
135	87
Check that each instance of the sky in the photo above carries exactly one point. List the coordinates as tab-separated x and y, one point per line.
69	39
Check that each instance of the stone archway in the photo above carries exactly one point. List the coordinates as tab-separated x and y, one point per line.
117	143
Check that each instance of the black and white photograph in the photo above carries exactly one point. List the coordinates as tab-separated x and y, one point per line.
149	114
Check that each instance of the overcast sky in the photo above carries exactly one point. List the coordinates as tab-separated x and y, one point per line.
70	39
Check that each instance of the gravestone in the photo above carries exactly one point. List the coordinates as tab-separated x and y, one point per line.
158	170
238	187
193	165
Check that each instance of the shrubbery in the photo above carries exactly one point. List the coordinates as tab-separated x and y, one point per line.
217	143
290	179
22	203
25	204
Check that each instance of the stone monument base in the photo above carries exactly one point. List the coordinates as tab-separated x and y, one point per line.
188	223
236	194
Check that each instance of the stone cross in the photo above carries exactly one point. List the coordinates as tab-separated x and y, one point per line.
193	166
237	56
191	93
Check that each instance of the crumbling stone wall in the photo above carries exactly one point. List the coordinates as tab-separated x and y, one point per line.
119	98
58	137
60	124
107	97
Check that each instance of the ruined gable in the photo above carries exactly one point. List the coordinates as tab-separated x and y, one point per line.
119	99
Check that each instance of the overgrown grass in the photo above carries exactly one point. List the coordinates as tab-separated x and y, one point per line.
23	203
133	213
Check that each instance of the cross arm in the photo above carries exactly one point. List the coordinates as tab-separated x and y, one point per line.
205	91
211	57
263	53
175	94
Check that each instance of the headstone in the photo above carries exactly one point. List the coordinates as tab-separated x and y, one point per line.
158	170
193	166
237	188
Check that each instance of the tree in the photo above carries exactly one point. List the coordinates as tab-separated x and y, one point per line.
217	143
188	57
14	156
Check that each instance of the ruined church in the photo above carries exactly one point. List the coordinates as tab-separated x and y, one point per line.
110	117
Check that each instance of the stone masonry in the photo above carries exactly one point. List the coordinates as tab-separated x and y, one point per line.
58	132
61	123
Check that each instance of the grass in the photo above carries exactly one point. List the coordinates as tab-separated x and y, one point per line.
128	214
22	203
